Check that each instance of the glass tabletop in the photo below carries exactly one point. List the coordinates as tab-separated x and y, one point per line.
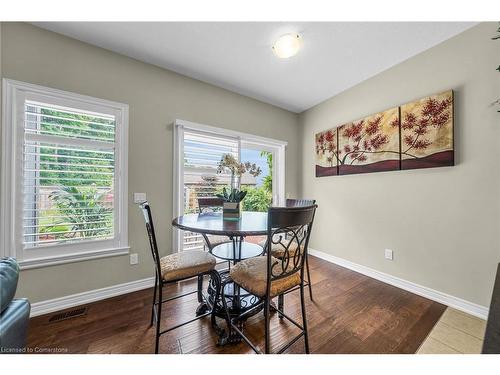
238	252
250	224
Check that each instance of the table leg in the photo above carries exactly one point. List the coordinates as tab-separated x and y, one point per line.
235	299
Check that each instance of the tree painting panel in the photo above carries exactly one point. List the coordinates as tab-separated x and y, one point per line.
370	144
427	132
326	153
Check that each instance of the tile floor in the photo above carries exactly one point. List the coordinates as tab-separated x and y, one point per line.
455	333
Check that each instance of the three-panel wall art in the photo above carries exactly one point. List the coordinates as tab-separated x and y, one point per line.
415	135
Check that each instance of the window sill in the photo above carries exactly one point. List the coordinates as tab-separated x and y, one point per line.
71	258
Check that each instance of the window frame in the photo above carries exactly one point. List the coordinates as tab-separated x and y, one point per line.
270	144
14	95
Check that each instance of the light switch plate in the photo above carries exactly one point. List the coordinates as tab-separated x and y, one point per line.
139	197
134	258
389	254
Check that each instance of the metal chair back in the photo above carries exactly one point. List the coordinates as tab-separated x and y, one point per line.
299	202
148	219
288	227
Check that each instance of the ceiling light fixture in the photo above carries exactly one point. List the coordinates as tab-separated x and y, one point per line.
287	45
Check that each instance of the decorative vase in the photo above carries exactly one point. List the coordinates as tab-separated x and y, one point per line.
235	181
231	210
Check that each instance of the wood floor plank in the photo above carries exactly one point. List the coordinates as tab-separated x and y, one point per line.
351	313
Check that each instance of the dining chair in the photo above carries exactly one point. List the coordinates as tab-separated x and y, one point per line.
267	276
277	251
176	267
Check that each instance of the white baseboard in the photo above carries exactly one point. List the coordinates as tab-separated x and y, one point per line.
61	303
446	299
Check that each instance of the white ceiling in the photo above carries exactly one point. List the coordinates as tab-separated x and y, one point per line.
238	56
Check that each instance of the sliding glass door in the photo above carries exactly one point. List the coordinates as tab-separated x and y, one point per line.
197	152
259	189
202	153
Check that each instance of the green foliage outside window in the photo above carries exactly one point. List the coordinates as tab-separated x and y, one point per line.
79	181
257	199
85	209
268	180
73	125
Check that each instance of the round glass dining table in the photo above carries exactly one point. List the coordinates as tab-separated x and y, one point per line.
249	224
213	223
235	250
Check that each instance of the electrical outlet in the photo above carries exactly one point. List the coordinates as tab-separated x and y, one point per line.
139	197
134	258
389	254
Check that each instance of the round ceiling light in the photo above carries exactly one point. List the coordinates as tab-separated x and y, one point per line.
287	45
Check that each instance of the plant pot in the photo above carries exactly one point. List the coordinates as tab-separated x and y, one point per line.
231	210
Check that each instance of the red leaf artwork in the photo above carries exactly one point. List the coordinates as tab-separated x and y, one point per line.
427	132
370	144
326	153
415	135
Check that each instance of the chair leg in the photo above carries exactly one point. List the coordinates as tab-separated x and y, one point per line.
154	300
267	318
158	321
215	278
304	319
309	280
281	305
200	288
228	315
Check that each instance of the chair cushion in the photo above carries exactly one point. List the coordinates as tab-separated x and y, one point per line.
251	274
186	264
9	274
278	251
216	240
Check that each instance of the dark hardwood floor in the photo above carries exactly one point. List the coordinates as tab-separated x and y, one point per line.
351	313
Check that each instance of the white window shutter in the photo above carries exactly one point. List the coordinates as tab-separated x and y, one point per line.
68	175
202	153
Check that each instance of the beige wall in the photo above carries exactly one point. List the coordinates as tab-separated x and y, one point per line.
156	98
443	223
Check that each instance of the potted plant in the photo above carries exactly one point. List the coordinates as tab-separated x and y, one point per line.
231	208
